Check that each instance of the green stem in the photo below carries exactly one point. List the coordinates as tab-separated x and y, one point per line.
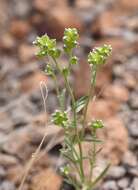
93	160
75	123
57	87
90	94
57	91
100	176
74	116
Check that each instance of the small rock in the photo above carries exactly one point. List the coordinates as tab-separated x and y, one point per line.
80	4
22	8
131	65
127	6
45	5
12	174
6	124
114	145
116	172
7	160
2	172
129	159
133	143
32	81
41	5
123	183
27	53
7	42
107	20
19	28
4	8
133	129
133	171
26	135
118	70
134	100
129	81
21	149
46	179
132	23
104	76
103	109
126	113
135	183
116	92
110	185
7	185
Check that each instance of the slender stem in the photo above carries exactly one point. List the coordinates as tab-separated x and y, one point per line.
57	87
73	100
90	95
94	72
57	90
100	176
75	123
74	116
92	162
70	92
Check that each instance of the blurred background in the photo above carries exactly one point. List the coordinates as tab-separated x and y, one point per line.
22	116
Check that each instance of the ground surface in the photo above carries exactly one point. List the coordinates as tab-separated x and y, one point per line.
22	116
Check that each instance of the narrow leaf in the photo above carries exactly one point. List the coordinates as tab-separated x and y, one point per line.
100	176
80	104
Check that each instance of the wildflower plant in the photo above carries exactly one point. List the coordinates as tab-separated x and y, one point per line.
75	123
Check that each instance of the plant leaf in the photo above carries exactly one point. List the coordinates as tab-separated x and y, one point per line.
93	140
80	104
100	176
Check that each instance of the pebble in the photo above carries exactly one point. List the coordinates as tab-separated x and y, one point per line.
22	8
110	185
118	71
135	183
134	100
133	171
7	160
132	64
116	172
7	185
133	143
2	172
129	159
133	129
123	183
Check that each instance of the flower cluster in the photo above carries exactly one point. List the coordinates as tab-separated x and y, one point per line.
60	118
46	47
97	124
99	55
70	39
